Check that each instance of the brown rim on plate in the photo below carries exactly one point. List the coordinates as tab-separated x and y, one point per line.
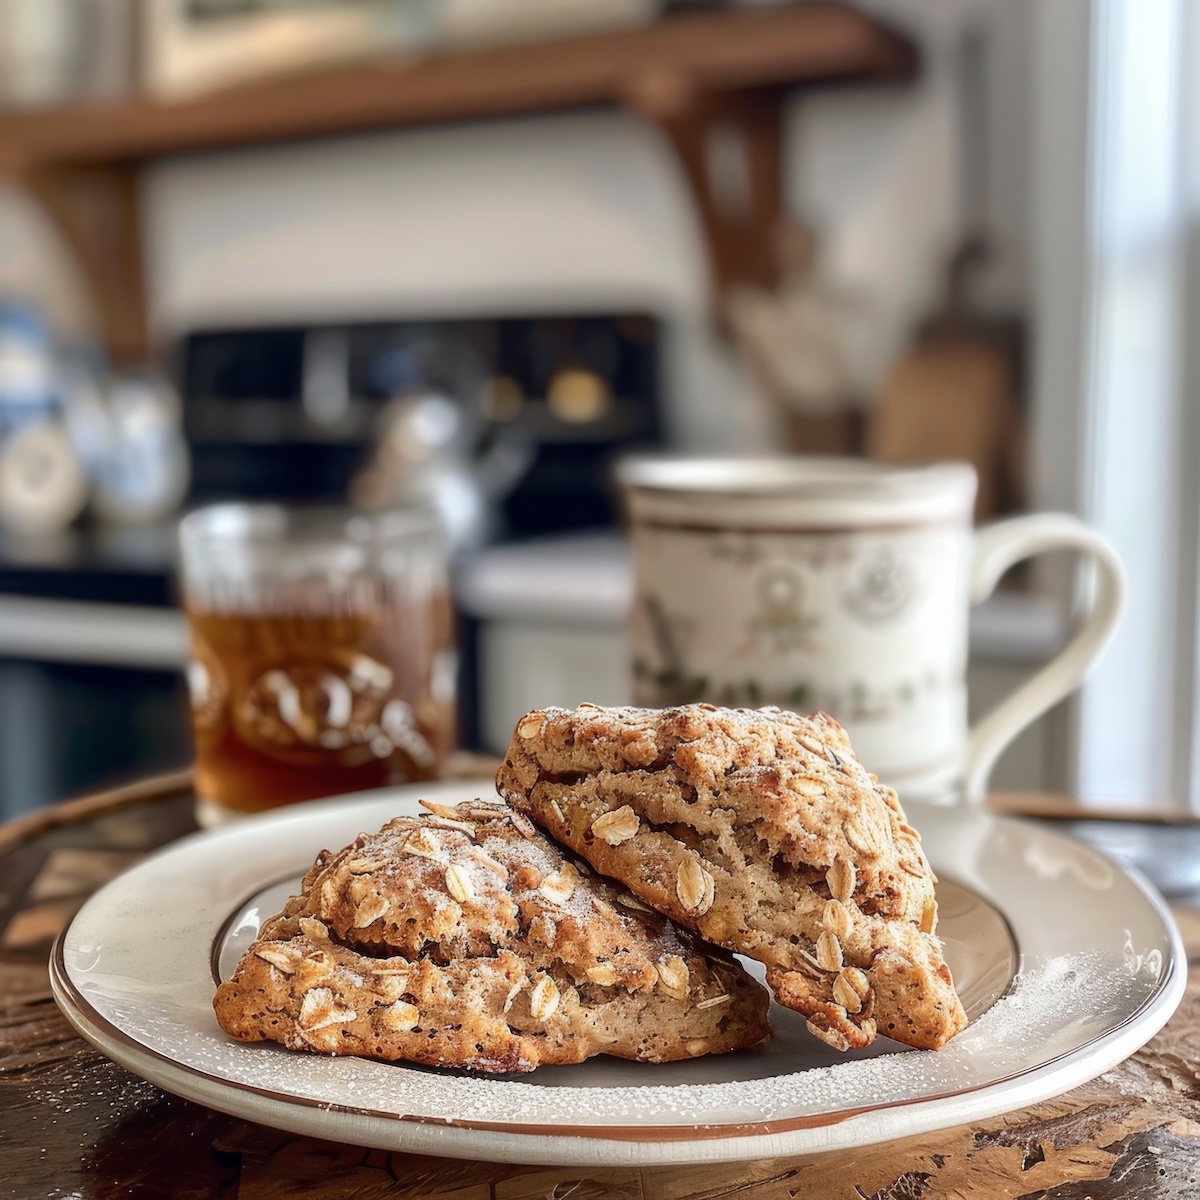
1092	1049
64	987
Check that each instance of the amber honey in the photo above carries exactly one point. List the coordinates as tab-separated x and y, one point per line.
322	660
291	707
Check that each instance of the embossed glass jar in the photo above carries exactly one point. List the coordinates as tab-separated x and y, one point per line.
322	654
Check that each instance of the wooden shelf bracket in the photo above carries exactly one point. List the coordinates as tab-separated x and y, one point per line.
97	210
729	146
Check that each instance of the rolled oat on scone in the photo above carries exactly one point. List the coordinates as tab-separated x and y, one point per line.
466	938
760	830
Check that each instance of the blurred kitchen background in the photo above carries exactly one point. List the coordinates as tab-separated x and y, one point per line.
469	252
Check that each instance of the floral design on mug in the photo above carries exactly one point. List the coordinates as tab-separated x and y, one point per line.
881	586
671	681
821	550
781	621
856	701
740	549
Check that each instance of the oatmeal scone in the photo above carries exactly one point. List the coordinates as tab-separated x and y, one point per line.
762	831
467	938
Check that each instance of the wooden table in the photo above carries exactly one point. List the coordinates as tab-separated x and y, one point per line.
73	1124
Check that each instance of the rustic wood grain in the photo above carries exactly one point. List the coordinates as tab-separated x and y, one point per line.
74	1124
75	812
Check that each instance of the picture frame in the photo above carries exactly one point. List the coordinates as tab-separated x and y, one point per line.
193	46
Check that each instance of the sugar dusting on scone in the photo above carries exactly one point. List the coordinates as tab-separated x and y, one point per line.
466	938
760	830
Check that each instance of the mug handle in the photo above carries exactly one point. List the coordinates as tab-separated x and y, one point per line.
997	547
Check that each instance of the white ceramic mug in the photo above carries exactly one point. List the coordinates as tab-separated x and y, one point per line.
843	585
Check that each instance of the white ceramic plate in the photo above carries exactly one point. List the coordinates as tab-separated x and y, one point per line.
1066	965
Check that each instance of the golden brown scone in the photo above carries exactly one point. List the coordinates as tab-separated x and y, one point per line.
760	830
468	939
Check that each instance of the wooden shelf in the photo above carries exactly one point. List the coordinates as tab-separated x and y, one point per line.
687	73
723	51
